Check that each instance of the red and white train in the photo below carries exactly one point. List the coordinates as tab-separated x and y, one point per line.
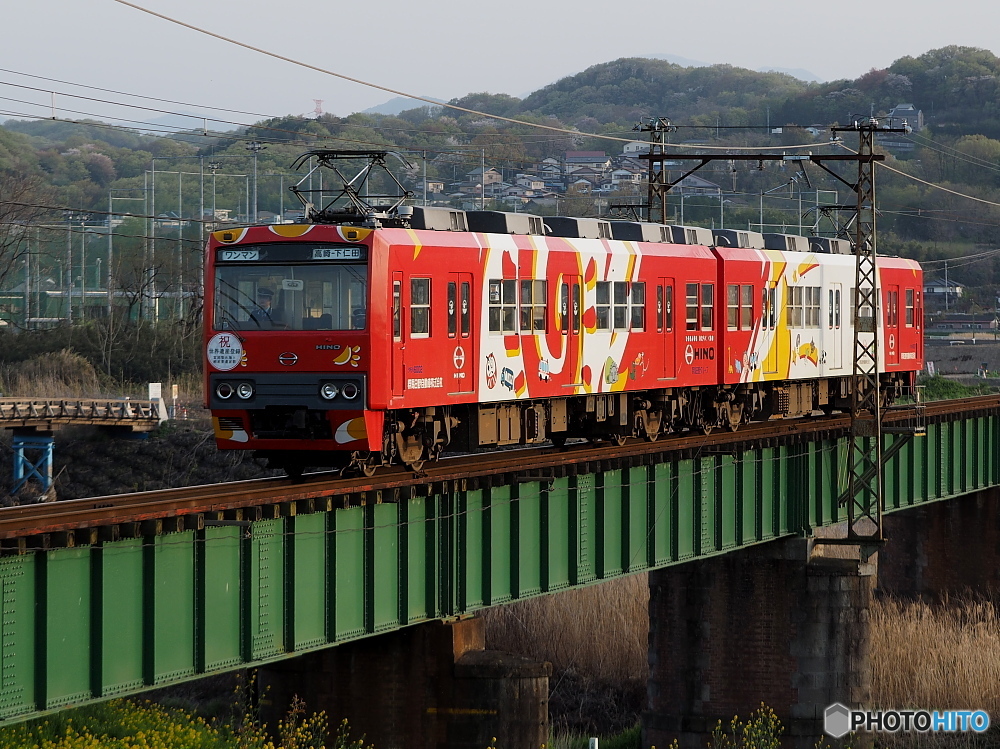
466	331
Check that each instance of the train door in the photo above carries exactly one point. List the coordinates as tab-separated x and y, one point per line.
460	327
570	316
892	339
770	324
835	324
665	327
398	375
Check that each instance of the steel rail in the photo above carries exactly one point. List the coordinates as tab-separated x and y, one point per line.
527	464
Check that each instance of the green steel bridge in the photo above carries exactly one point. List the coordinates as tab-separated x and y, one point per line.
112	596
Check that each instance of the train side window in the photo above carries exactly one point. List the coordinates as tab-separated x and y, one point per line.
692	306
637	291
659	308
540	307
909	307
577	308
733	306
452	309
668	308
746	308
466	309
533	307
495	305
836	308
397	327
763	306
503	306
525	309
620	309
707	306
564	308
812	306
772	307
603	305
829	323
420	307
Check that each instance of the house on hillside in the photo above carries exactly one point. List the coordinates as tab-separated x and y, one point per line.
906	113
480	176
597	160
938	288
695	185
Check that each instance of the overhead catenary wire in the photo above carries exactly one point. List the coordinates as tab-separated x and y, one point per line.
408	95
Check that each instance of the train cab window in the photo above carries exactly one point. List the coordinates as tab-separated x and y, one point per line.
466	309
420	307
327	296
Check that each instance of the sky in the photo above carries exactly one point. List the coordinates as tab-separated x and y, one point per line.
436	48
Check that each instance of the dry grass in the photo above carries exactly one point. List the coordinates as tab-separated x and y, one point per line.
931	656
63	374
936	656
600	631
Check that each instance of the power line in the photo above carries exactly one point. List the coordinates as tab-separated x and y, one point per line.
342	76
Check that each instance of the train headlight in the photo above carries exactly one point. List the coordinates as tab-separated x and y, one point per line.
224	390
349	391
244	391
328	391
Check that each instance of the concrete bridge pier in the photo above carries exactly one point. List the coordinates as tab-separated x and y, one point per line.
777	624
433	685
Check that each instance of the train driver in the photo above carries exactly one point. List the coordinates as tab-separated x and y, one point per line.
264	314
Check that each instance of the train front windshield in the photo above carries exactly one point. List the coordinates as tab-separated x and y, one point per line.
253	294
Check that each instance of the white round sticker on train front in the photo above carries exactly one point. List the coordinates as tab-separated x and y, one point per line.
224	351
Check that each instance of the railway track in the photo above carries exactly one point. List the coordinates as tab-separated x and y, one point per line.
69	522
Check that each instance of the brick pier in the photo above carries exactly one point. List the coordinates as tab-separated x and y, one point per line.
777	624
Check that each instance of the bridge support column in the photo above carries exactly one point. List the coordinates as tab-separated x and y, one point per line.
776	624
27	467
432	685
943	548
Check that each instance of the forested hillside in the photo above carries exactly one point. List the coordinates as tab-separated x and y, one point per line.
89	166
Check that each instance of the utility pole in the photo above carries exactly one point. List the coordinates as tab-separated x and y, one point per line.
255	146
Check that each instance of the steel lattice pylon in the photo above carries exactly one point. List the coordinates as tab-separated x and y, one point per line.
864	494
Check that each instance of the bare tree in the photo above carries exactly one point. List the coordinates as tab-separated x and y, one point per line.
23	203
